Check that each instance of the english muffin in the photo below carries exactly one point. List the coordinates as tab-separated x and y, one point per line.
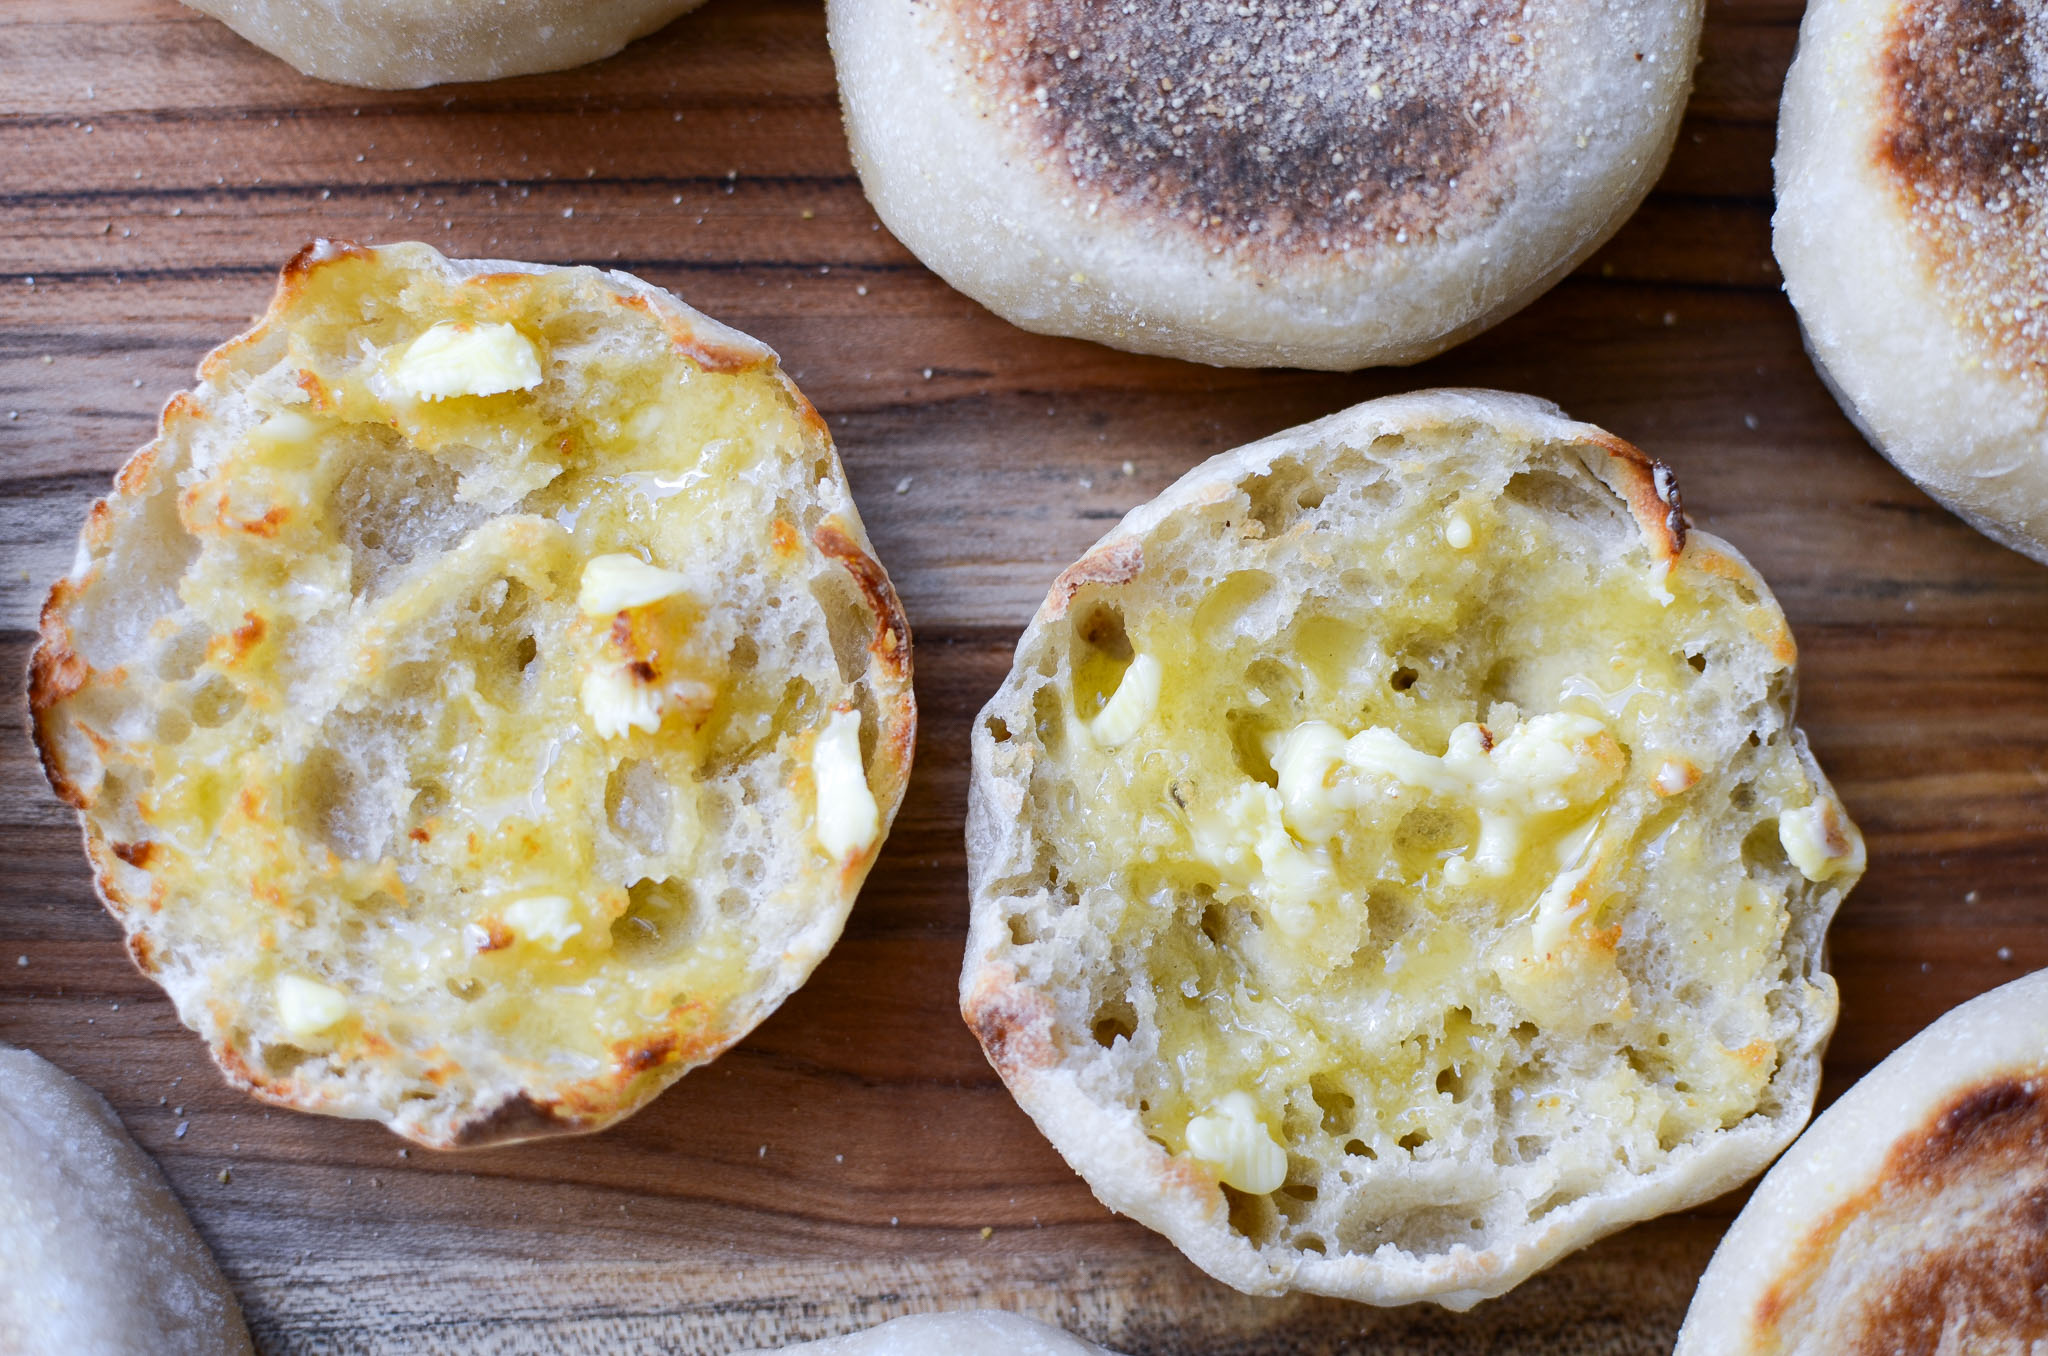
1331	185
404	44
1393	860
96	1255
978	1332
1909	1217
1912	228
481	698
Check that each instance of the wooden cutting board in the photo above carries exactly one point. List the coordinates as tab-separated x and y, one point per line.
855	1158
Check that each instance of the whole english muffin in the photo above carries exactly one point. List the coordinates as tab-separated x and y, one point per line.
404	44
1912	228
97	1257
1909	1217
481	698
967	1332
1301	183
1393	860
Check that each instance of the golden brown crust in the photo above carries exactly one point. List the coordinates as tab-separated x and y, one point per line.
1650	490
1301	128
1961	140
1986	1281
1107	565
1013	1025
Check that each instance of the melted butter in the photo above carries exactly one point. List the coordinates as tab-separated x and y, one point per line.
1373	859
469	894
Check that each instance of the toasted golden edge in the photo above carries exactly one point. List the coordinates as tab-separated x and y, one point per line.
56	673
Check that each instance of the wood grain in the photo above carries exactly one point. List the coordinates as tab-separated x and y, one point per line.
840	1165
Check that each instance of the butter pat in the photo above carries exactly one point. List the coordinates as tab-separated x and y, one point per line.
307	1007
613	583
847	820
1820	842
548	920
1130	706
1233	1140
455	358
616	701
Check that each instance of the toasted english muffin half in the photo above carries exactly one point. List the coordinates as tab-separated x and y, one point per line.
1909	1218
976	1332
1328	185
1393	861
404	44
1912	229
481	698
97	1257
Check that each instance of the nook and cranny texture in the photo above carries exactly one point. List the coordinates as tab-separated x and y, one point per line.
1393	860
481	698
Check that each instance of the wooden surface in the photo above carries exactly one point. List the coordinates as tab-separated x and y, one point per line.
855	1158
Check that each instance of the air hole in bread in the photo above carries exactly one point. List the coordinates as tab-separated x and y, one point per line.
1339	1107
1582	501
1413	1140
1402	678
215	702
1230	604
1275	496
1252	1216
1450	1083
637	804
396	505
1764	848
1248	730
1358	1148
659	920
1697	662
465	987
1310	1243
1115	1020
848	624
999	729
1049	716
279	1059
1021	931
173	726
328	805
744	654
182	655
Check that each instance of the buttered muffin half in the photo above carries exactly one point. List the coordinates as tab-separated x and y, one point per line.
481	698
1306	183
1393	861
1912	228
1909	1217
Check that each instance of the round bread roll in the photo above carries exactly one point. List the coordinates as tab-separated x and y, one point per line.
1393	861
978	1332
1911	232
1909	1218
96	1255
1327	185
404	44
481	698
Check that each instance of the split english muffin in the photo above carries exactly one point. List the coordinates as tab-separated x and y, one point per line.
1912	228
1909	1217
1295	184
969	1332
1393	860
481	698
